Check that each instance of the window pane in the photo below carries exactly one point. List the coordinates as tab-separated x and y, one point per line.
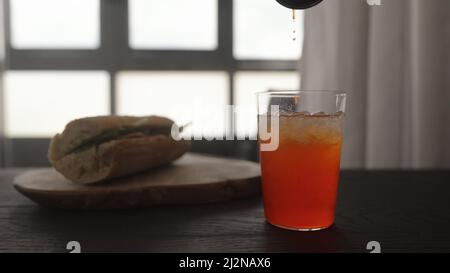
264	30
197	97
55	24
173	24
247	84
39	104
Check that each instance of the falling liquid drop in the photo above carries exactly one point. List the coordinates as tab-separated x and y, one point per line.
294	38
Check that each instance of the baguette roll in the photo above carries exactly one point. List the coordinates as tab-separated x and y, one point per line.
95	149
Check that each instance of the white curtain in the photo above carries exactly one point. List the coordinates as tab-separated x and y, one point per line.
2	68
394	62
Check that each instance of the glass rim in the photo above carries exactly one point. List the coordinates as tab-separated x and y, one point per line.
294	93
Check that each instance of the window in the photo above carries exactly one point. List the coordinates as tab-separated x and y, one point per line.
55	24
173	24
40	103
143	57
263	30
185	97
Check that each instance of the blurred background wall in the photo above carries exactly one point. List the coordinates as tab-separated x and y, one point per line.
66	59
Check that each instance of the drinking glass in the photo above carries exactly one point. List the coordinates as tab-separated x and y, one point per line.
300	137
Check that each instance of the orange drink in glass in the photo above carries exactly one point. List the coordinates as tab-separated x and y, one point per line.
300	175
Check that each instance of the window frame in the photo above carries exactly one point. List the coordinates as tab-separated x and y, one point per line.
114	53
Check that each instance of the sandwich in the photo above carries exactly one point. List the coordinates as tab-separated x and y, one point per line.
96	149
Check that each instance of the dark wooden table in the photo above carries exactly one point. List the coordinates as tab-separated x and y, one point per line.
404	211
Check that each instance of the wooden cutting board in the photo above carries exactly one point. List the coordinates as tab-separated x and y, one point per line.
191	179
